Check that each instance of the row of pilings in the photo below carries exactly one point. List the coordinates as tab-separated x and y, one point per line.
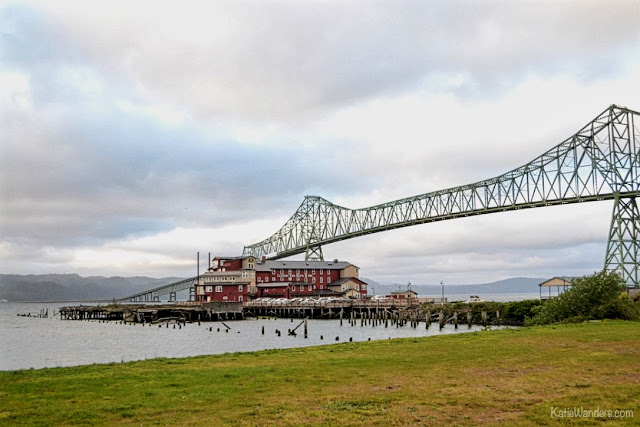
153	313
379	315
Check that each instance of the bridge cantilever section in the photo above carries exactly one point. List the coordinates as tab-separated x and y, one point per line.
599	162
153	295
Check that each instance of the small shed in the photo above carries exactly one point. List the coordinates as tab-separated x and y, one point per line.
400	294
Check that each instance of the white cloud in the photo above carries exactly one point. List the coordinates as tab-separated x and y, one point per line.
135	134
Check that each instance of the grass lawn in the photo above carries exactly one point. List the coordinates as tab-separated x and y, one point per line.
508	376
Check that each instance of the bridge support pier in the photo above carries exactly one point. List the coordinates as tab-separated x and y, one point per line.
624	240
314	253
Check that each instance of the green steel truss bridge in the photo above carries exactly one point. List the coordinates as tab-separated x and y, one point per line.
599	162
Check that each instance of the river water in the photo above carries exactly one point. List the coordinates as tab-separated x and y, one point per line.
31	342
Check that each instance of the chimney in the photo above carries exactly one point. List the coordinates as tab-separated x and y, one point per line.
263	259
335	260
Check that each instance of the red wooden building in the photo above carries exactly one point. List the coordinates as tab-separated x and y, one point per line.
239	279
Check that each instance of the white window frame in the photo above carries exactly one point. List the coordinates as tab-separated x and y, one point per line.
218	288
239	288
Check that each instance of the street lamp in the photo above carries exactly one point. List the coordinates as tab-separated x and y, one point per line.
442	300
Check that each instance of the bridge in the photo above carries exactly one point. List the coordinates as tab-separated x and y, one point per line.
153	295
599	162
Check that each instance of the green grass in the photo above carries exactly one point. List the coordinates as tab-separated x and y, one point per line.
507	376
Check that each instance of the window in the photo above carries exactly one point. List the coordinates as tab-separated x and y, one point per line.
298	271
266	279
239	288
218	288
289	272
328	279
250	265
313	271
209	289
253	274
282	271
225	297
293	287
245	274
313	280
309	288
240	298
321	278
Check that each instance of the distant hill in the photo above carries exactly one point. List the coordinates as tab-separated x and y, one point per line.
57	287
515	285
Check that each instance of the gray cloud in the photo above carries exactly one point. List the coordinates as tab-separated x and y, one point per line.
127	127
277	60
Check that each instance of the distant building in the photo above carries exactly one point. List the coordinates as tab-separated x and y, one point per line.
400	294
240	279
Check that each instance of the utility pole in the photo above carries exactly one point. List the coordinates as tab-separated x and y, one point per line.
442	300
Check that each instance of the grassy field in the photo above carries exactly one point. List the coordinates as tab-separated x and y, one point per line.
508	376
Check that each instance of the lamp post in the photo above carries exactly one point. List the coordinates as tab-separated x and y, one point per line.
409	287
442	300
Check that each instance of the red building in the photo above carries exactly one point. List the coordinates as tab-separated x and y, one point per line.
239	279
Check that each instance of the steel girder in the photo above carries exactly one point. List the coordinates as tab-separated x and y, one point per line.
153	294
624	240
598	162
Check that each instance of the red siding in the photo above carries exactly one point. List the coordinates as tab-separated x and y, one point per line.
228	290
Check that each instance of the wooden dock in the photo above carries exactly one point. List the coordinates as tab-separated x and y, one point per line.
156	313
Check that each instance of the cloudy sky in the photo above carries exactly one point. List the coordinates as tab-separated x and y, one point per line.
133	134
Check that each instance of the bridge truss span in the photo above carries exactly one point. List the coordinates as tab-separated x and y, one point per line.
599	162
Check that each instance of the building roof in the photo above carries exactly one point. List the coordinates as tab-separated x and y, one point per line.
567	281
286	264
345	280
231	258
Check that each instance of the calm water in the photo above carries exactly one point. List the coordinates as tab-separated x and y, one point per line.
27	342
